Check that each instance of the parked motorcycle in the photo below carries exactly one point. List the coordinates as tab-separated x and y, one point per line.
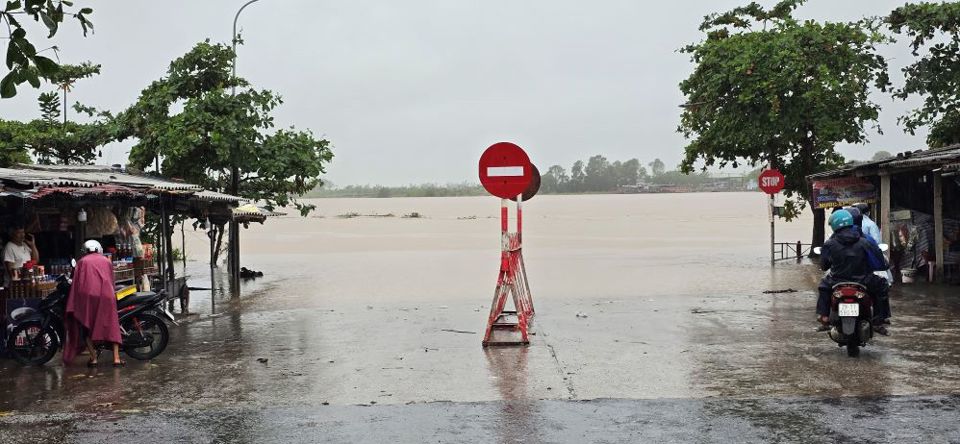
35	337
851	313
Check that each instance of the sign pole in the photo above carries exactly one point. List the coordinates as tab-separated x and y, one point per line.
772	182
773	206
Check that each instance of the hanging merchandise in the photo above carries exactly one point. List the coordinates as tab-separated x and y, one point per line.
101	222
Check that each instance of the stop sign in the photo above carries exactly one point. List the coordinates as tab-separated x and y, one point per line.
505	170
771	181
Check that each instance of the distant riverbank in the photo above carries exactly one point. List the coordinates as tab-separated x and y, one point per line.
462	190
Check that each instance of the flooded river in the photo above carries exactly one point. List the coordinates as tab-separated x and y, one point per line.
577	247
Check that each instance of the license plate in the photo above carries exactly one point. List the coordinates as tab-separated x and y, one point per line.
849	310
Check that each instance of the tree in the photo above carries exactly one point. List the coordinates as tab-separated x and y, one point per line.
24	63
769	88
197	130
657	167
598	174
52	141
881	155
627	173
642	174
935	31
555	180
577	177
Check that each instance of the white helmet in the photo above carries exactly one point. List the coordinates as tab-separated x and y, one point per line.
92	246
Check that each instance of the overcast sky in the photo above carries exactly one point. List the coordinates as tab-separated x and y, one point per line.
413	91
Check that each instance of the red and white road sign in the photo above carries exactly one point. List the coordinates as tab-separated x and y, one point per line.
505	170
771	181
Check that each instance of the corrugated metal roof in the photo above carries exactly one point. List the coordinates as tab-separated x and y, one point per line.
96	191
213	195
87	176
34	178
932	158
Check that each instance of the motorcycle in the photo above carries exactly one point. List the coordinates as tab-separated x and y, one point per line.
851	316
851	313
34	337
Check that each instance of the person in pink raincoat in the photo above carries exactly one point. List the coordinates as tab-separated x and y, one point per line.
92	308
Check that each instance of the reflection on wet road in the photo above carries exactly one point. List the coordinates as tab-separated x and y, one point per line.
368	330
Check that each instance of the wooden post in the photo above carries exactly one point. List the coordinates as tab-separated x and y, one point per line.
884	221
938	223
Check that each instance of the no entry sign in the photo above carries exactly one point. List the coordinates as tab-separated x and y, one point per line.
771	181
505	170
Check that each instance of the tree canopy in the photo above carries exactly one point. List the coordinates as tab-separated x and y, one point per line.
23	60
934	30
770	88
51	140
191	123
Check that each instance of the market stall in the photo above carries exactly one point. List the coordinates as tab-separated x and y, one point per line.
49	211
916	197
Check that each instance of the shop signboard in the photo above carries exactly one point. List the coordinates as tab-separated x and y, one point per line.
830	193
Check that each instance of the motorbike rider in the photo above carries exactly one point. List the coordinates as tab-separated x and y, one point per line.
881	301
850	257
869	228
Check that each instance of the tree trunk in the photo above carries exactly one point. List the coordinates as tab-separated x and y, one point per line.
819	231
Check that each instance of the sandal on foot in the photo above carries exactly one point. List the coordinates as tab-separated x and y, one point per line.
122	363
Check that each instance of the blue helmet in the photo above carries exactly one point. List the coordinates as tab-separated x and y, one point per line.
841	219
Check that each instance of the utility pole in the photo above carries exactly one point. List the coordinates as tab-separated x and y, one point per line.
233	253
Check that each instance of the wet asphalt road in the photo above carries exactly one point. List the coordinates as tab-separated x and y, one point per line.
844	420
724	368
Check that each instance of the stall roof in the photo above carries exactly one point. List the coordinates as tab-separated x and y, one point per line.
254	213
916	160
91	180
88	176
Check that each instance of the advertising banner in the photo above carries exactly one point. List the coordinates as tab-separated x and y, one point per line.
830	193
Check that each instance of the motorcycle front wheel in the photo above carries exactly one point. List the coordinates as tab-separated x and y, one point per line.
147	336
31	344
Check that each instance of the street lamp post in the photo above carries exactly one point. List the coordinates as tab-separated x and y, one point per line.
233	255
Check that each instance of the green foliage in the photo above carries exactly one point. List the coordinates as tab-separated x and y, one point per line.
23	61
52	141
601	176
934	30
767	87
200	130
12	150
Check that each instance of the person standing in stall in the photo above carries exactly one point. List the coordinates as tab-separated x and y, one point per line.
92	307
20	250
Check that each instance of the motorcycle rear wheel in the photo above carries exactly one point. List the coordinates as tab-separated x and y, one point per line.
38	345
149	325
853	348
